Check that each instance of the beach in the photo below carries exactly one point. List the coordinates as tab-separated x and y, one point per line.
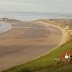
28	40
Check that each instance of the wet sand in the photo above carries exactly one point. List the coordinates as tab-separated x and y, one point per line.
20	45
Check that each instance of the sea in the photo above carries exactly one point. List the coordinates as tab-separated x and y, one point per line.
28	16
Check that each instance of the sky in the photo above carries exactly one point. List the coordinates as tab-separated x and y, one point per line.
47	6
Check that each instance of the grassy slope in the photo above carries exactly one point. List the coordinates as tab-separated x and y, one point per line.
45	63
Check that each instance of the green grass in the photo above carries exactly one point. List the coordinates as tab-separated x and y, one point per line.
45	63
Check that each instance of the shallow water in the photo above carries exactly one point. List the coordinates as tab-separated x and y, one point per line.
4	27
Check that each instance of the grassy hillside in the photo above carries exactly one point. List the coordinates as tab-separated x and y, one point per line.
45	63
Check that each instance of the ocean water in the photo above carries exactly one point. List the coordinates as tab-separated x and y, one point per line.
27	16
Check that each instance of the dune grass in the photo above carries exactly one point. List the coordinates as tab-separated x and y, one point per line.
45	63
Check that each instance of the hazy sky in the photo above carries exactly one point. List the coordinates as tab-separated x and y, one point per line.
55	6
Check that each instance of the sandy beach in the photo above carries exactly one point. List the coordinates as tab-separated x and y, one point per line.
20	45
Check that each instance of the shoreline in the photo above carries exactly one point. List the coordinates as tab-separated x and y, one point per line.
64	32
65	38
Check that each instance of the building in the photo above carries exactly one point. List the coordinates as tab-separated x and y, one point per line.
65	57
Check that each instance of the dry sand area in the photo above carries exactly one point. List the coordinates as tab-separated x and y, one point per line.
20	44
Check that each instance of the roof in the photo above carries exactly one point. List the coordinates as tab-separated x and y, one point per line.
67	52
